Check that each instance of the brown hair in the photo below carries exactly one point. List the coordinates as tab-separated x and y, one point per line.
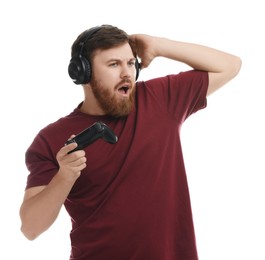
104	37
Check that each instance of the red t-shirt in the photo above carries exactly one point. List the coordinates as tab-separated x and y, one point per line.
131	202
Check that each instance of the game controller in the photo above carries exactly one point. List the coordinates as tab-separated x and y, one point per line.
91	134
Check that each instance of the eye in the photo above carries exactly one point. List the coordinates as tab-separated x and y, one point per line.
113	64
131	63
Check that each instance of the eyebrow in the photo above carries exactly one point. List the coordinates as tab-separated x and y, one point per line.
117	59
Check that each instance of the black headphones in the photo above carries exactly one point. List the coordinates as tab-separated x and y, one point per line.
79	68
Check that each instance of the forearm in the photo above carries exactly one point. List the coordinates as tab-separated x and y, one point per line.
221	66
196	56
40	211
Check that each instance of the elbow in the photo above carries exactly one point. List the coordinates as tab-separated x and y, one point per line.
28	233
27	228
217	80
237	63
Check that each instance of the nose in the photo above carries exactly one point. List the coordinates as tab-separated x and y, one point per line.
126	71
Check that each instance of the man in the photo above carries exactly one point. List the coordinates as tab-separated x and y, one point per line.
127	200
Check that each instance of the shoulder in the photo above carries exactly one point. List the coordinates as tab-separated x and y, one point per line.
180	80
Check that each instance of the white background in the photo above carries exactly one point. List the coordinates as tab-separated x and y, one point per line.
223	145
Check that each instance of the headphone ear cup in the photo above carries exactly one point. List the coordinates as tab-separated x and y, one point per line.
79	70
138	68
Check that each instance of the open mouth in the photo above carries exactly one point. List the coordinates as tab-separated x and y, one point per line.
123	90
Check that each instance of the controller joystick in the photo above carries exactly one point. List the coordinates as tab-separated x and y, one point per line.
91	134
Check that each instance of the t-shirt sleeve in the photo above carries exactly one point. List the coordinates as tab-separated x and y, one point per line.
181	94
192	91
41	162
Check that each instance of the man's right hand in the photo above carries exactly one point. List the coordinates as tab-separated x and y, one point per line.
71	164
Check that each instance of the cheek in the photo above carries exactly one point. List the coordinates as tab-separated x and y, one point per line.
107	77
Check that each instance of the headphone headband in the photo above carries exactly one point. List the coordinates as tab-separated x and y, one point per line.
79	68
87	35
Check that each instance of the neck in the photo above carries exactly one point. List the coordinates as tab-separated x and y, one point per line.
91	109
90	105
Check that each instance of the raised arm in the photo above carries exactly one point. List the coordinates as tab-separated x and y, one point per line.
222	66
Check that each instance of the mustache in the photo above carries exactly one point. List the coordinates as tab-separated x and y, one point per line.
124	81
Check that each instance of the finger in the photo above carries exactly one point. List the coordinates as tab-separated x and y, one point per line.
79	161
80	167
77	157
71	137
69	147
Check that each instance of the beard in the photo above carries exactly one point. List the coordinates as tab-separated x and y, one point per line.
109	102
